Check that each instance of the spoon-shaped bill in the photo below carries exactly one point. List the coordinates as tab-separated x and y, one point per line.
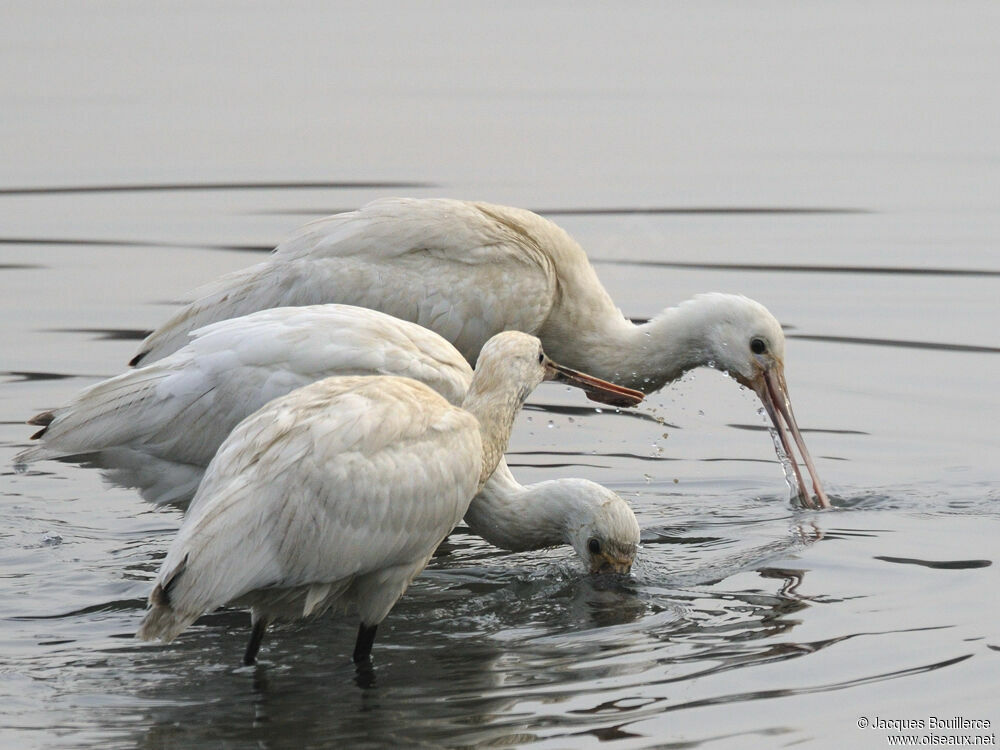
606	563
770	387
596	389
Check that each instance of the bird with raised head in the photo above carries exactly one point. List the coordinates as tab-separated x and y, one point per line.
338	493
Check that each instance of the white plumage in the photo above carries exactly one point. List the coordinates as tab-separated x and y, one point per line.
470	270
163	423
177	411
464	270
338	493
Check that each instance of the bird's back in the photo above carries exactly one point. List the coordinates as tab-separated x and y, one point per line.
465	270
341	480
181	408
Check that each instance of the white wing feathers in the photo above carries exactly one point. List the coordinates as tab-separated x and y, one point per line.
337	480
181	408
464	270
101	415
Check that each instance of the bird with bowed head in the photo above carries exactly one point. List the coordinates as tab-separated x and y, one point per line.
159	425
469	270
337	494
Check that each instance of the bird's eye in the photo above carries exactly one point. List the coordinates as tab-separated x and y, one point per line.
594	546
758	346
541	356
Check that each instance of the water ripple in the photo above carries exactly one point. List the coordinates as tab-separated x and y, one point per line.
106	334
793	268
21	376
937	564
929	345
215	186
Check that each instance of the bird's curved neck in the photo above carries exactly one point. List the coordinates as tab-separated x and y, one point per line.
664	348
514	517
495	409
646	356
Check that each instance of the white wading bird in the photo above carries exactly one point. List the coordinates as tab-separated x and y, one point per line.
470	270
167	420
338	493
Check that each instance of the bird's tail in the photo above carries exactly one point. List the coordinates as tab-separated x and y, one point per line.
109	413
38	452
164	623
34	453
162	620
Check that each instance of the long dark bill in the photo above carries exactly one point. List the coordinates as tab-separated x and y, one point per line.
770	387
595	388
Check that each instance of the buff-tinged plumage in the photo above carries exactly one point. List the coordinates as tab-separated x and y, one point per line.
164	422
338	493
469	270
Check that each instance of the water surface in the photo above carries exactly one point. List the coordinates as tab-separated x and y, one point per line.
836	163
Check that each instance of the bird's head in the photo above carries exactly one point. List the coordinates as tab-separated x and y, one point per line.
743	338
601	527
745	341
517	358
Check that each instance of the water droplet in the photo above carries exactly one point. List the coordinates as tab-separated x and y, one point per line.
551	424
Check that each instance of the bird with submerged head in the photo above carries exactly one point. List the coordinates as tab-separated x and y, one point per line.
469	270
592	519
338	493
159	425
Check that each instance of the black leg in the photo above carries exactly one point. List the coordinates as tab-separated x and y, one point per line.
364	675
363	646
256	636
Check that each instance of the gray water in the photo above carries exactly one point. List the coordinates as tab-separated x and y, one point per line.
838	162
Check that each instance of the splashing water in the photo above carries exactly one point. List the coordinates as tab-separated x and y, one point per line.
794	494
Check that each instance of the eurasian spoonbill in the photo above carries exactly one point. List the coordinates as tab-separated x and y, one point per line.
470	270
161	424
338	493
